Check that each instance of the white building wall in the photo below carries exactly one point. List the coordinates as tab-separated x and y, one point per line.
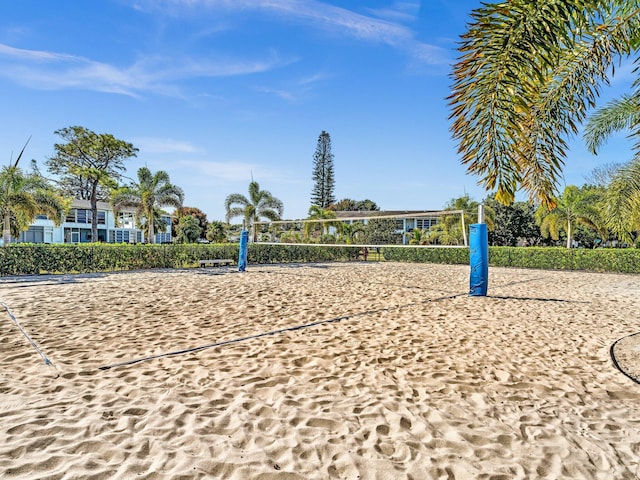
45	230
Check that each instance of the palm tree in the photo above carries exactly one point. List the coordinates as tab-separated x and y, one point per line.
439	235
25	195
620	114
622	205
527	75
622	202
216	232
261	203
574	206
188	229
350	231
325	220
152	192
452	226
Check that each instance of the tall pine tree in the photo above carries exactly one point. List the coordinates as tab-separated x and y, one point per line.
323	174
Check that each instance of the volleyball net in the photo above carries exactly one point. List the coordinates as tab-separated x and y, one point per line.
363	235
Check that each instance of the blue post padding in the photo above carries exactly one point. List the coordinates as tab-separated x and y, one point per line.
242	255
479	259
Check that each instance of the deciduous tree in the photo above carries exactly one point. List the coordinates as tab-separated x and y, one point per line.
89	165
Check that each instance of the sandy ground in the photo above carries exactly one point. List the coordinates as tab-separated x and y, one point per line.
400	376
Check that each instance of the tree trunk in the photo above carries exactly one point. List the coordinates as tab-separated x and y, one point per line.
6	230
569	234
150	232
94	212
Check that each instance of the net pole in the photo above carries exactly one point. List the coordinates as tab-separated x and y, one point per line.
464	230
244	247
479	256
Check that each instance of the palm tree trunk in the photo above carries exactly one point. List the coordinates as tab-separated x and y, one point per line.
569	234
94	212
6	230
151	233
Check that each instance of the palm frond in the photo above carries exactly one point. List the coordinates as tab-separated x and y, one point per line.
527	74
620	114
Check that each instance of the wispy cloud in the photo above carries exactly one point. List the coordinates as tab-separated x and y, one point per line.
294	89
53	71
37	55
157	145
320	15
227	171
406	11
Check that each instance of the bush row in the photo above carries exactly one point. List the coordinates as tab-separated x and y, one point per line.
625	260
18	259
427	255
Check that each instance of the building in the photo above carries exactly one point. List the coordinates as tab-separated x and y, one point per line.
406	220
77	227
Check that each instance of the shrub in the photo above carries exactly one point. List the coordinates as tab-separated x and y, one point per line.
20	259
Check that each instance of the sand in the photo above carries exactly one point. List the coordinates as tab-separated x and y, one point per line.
401	375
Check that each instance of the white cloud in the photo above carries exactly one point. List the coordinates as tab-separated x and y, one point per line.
53	71
163	145
399	11
39	55
320	15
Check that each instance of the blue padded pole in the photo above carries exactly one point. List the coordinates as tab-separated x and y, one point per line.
479	259
242	255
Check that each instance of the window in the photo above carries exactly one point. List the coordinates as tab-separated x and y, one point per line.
425	223
71	216
81	216
33	235
122	236
102	217
125	220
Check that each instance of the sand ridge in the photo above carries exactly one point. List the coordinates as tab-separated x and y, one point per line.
414	380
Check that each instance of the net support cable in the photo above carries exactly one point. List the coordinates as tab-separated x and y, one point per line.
274	332
26	335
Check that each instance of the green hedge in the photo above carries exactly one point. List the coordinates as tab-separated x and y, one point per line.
18	259
622	260
454	256
292	253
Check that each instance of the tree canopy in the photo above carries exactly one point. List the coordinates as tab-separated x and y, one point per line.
88	165
188	229
350	205
323	173
23	195
259	204
196	212
147	196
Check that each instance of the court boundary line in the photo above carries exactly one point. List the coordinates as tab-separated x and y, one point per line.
275	332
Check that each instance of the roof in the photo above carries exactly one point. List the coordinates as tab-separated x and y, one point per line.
86	204
343	214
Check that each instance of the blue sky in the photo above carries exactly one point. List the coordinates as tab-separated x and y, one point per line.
215	91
